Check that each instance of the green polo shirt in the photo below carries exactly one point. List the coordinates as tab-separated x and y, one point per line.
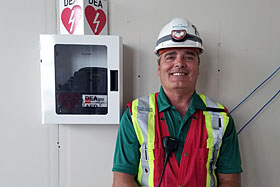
127	155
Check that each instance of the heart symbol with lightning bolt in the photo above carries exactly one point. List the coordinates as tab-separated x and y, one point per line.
71	18
96	19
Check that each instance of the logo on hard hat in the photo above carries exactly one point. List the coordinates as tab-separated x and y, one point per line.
178	34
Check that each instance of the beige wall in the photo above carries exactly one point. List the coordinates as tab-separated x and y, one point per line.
241	40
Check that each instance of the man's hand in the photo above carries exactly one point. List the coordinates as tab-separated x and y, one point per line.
124	180
229	180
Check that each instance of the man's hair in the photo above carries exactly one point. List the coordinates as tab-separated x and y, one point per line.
158	60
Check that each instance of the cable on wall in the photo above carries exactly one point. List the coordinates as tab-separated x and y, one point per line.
251	94
258	112
255	89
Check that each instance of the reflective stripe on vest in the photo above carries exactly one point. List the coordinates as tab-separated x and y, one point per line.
216	123
143	118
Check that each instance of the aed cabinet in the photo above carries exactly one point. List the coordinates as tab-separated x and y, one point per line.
81	79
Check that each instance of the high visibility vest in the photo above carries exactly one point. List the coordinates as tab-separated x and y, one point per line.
200	152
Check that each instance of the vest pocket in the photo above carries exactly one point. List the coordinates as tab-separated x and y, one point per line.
146	163
147	151
202	170
203	155
147	157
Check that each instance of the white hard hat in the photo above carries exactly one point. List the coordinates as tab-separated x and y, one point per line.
178	33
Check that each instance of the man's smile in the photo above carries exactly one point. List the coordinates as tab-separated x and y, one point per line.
178	74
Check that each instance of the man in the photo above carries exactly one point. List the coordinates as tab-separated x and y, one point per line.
177	138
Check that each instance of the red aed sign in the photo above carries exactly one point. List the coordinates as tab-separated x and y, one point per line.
83	17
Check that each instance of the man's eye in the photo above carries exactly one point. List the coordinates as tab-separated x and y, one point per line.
189	58
170	58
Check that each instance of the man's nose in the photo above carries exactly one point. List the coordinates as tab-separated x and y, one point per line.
179	62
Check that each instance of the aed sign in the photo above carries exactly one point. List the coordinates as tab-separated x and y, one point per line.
94	101
83	17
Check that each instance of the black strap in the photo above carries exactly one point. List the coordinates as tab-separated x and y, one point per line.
188	37
215	109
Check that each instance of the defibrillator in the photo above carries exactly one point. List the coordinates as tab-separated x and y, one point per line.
84	93
81	79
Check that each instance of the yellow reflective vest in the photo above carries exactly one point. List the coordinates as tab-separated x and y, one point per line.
201	148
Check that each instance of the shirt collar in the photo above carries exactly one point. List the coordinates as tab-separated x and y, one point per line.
163	102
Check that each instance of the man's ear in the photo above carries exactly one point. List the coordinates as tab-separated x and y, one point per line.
158	62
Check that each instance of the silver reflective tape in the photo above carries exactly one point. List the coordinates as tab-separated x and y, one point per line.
218	126
145	166
215	120
142	116
143	119
210	102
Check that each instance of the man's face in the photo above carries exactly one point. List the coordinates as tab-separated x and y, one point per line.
179	69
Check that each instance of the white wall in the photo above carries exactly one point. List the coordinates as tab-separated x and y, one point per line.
241	40
24	142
